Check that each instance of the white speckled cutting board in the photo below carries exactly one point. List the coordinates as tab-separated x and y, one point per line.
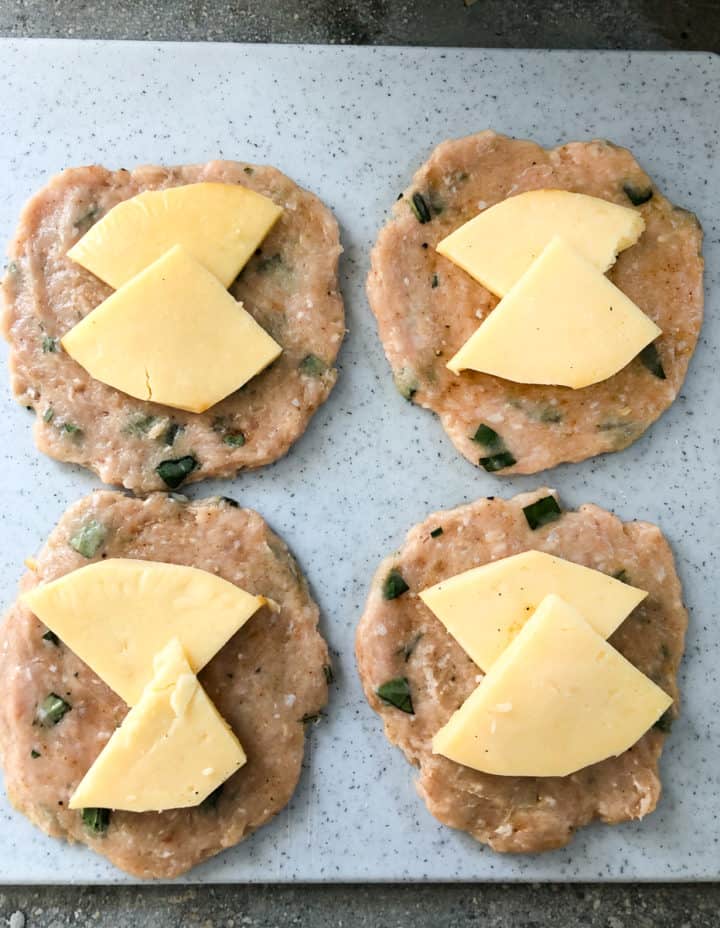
352	124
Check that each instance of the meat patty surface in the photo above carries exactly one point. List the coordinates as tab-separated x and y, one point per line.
289	286
427	307
402	638
265	682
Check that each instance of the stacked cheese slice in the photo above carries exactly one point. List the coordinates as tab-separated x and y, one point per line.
560	320
556	697
171	333
146	629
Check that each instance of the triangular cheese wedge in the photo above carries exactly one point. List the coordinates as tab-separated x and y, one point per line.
171	751
500	244
220	225
563	323
558	699
172	335
484	608
117	614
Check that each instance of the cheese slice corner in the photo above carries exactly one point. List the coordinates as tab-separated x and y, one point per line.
558	699
498	246
171	751
172	335
484	608
220	225
563	323
117	614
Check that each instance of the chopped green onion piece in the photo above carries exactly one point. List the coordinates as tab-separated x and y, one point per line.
637	195
328	673
89	539
312	366
71	429
409	648
96	820
650	358
664	723
420	208
436	532
497	461
140	424
248	170
394	585
234	439
51	710
48	414
542	511
550	415
171	433
49	345
35	754
434	282
621	575
488	437
173	472
269	264
51	638
397	693
87	219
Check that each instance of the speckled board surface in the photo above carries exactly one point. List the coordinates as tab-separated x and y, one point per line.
352	124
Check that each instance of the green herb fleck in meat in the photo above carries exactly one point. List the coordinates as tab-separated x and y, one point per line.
269	264
52	710
51	638
89	539
87	219
50	345
436	532
664	723
420	208
35	754
48	414
637	195
396	693
550	415
173	472
310	718
488	438
12	268
96	820
394	585
74	431
328	674
408	649
435	281
248	170
542	511
234	439
650	358
406	383
171	433
498	461
312	366
140	424
621	575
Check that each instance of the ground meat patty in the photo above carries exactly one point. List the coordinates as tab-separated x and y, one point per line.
402	637
265	681
289	286
427	307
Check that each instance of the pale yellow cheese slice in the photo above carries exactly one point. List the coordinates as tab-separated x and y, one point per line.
558	699
173	335
484	608
220	225
500	244
117	614
562	323
171	751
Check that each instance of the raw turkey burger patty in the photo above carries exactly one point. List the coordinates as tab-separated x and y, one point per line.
290	287
427	307
269	676
402	638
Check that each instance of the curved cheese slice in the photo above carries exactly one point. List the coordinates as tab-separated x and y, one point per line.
484	608
499	245
562	323
220	225
558	699
171	751
117	614
172	335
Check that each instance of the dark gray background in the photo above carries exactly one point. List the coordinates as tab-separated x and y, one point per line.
640	24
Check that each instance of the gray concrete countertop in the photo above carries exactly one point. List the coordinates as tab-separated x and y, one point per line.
638	24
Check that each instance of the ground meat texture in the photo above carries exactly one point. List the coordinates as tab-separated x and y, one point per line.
289	287
265	681
427	307
402	638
